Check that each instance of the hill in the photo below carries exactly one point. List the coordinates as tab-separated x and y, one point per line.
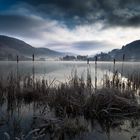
11	47
131	52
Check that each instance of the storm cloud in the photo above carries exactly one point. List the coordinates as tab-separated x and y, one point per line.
73	12
80	26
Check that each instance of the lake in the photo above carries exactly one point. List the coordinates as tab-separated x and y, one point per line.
22	116
62	70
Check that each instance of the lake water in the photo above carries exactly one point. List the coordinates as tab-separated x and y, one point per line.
61	71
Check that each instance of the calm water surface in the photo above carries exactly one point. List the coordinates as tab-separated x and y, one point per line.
62	70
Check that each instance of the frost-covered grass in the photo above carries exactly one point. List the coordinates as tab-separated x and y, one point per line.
71	100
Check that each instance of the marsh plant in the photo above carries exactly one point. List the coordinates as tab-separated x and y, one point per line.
69	101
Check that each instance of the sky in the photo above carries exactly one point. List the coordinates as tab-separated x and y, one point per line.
84	27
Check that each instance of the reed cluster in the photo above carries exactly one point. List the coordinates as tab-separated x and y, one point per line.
75	97
71	100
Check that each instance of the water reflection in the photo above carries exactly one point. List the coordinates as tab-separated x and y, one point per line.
24	118
21	119
62	70
54	67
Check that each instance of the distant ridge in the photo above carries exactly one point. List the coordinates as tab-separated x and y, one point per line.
131	52
11	47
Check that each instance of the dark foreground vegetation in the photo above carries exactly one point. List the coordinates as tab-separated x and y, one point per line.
74	103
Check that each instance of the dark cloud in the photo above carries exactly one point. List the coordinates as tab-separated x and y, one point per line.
20	25
73	12
111	12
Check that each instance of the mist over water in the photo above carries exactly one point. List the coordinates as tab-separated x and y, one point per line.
62	70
